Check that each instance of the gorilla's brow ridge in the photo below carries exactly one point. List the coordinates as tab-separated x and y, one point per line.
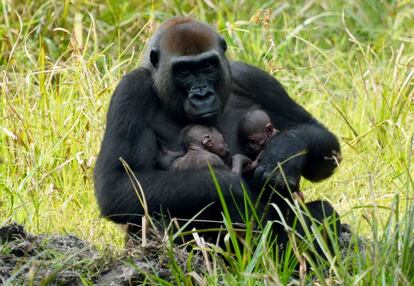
188	38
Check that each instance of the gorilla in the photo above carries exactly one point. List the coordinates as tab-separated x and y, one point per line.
255	129
185	78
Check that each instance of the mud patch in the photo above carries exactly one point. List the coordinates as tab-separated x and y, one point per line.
67	260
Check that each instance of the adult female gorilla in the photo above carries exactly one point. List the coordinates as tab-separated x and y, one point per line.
185	78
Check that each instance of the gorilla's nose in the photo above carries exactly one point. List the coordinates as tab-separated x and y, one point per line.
200	96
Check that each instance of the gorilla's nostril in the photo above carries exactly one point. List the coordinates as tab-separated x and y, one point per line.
201	97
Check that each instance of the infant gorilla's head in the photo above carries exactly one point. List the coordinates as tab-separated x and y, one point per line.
205	137
255	129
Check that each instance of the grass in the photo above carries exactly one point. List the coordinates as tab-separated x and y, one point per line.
350	63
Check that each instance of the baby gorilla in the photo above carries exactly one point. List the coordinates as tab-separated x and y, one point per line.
204	145
255	130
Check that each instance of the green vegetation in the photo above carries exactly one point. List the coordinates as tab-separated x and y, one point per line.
350	63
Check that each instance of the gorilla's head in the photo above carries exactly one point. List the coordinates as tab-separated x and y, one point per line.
190	70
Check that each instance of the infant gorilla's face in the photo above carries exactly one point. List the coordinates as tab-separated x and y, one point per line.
218	145
255	143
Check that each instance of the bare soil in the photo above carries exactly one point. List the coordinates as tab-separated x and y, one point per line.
67	260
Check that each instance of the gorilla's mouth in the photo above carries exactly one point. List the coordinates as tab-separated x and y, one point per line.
207	114
203	113
205	117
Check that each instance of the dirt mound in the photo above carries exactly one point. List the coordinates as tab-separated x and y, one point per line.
67	260
26	259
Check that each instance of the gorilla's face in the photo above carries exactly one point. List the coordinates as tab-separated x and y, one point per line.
191	73
197	80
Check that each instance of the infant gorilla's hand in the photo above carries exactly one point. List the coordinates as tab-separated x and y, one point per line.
281	162
241	164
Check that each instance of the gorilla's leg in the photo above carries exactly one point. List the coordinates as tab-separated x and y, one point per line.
317	218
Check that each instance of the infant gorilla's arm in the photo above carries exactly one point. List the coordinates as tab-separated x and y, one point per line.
167	157
241	164
198	159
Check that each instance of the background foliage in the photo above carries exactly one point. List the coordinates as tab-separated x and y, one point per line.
350	63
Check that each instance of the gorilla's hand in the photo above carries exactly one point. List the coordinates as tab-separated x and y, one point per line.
233	190
281	162
229	182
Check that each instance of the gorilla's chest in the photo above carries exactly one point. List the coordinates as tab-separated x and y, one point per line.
235	108
167	131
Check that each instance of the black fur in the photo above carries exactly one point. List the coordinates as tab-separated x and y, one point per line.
140	123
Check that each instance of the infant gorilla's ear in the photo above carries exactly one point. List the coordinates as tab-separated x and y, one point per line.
270	130
207	141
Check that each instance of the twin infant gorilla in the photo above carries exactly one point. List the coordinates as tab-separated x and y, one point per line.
205	145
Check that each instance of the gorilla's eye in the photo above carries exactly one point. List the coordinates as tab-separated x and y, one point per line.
208	66
182	73
181	70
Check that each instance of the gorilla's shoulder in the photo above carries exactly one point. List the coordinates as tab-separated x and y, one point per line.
240	67
133	95
136	83
243	72
138	73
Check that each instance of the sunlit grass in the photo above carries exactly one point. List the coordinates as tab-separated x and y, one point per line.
350	63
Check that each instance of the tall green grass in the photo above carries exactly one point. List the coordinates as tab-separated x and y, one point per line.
350	63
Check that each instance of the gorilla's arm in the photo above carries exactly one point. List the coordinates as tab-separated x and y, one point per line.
300	131
183	193
130	134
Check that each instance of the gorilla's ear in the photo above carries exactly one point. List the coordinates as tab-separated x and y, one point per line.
269	129
207	142
223	44
155	57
